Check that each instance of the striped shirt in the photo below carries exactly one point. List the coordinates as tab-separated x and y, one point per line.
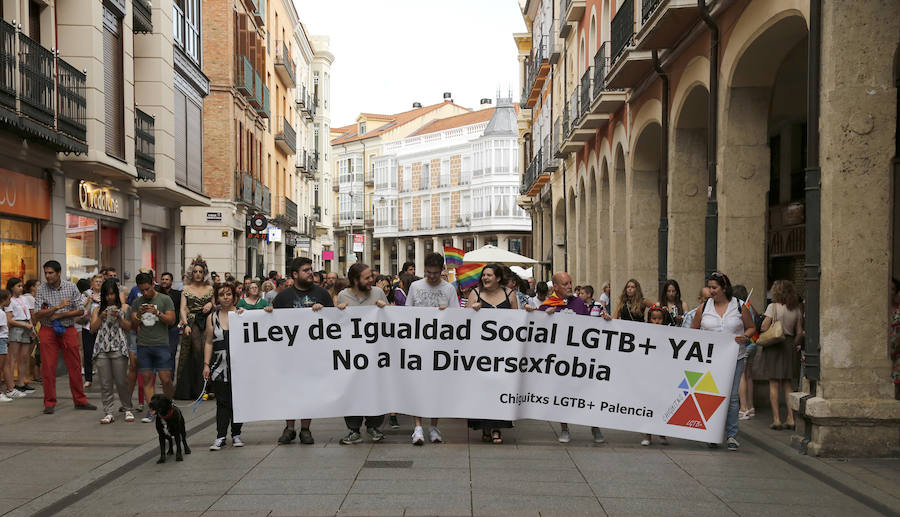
51	297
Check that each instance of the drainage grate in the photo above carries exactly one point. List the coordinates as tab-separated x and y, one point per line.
388	464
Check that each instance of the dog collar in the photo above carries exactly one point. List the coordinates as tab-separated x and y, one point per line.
171	412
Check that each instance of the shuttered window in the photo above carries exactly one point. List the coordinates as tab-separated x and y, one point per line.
180	139
194	147
113	85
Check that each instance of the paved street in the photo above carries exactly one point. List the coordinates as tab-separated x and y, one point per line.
68	464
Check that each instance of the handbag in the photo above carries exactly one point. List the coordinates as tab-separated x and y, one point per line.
774	335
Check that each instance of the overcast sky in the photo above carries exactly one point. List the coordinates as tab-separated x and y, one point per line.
390	53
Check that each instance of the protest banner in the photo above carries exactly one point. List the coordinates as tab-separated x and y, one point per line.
492	364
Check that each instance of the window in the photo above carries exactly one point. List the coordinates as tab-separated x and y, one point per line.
477	153
425	215
465	176
407	215
425	177
445	211
445	172
362	128
113	84
189	144
407	178
465	206
186	28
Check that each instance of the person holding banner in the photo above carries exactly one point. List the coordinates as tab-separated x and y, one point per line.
562	300
632	304
360	293
490	295
431	291
303	294
726	314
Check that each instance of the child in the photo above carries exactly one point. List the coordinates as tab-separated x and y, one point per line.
656	315
4	346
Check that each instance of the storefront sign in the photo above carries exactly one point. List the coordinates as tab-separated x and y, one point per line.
303	242
327	255
213	216
358	242
274	234
24	195
92	196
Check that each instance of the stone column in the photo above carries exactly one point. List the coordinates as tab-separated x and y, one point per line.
132	244
503	241
420	255
401	252
53	236
854	411
367	248
479	240
457	241
384	263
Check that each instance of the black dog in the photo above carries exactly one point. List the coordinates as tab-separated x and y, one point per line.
169	425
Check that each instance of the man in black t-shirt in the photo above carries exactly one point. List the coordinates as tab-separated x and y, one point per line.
303	294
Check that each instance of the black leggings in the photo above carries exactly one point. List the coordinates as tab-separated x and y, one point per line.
224	410
87	354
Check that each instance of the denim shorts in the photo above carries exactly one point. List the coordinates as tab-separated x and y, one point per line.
4	345
154	358
132	342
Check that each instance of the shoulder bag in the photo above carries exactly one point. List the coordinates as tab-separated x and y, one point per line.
774	335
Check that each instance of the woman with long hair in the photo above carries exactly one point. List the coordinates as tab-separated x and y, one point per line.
196	304
92	301
109	323
723	312
21	336
673	304
775	362
491	294
632	304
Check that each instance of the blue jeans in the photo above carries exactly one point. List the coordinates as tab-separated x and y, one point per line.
734	403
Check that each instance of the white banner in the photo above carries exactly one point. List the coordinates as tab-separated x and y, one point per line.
491	364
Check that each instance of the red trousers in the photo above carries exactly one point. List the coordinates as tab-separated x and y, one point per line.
51	345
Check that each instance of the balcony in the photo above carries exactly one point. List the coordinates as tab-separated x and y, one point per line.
255	98
286	139
551	161
257	195
573	10
259	15
628	64
266	200
285	213
263	110
312	163
41	95
579	132
587	119
605	100
244	76
144	146
243	188
665	22
535	177
142	18
284	65
555	46
537	68
558	137
301	161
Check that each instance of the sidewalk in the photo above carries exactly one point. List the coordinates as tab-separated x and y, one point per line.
68	464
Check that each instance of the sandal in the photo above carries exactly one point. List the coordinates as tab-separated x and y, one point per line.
485	436
777	427
108	419
496	437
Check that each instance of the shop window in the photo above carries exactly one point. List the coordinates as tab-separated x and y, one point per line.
150	242
18	251
82	259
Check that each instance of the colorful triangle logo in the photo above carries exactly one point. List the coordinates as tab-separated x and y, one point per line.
688	415
708	403
693	377
683	385
707	384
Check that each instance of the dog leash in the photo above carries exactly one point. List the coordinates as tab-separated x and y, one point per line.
203	396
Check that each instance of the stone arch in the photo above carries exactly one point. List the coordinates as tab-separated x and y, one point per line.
618	255
762	118
642	219
571	232
582	56
592	35
581	262
696	73
604	22
687	190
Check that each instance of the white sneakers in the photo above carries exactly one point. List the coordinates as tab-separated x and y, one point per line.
129	416
564	436
435	435
236	441
4	398
218	444
418	437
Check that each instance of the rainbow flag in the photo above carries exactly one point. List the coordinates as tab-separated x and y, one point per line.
453	256
468	275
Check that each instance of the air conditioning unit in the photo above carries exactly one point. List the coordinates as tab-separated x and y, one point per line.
559	240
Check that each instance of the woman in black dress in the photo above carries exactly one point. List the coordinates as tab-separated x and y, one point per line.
491	295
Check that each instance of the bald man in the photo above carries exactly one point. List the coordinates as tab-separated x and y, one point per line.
563	301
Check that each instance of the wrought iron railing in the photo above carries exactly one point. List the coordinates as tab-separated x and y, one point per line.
36	74
260	12
8	77
566	123
587	90
534	169
142	15
283	58
557	139
288	135
266	200
533	63
144	146
257	194
601	66
290	211
243	80
263	109
243	188
574	106
622	29
647	8
72	107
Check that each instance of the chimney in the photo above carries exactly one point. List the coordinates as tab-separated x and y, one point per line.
417	105
448	97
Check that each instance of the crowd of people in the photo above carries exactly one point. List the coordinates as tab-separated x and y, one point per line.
178	338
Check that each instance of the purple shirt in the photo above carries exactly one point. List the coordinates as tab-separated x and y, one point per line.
574	305
399	297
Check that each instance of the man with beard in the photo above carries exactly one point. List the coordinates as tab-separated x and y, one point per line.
165	287
361	293
303	294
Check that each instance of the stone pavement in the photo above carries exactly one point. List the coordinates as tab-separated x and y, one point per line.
68	464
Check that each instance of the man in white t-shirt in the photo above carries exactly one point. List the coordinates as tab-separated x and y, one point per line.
431	291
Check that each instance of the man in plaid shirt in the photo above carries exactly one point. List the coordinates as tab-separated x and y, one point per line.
57	304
